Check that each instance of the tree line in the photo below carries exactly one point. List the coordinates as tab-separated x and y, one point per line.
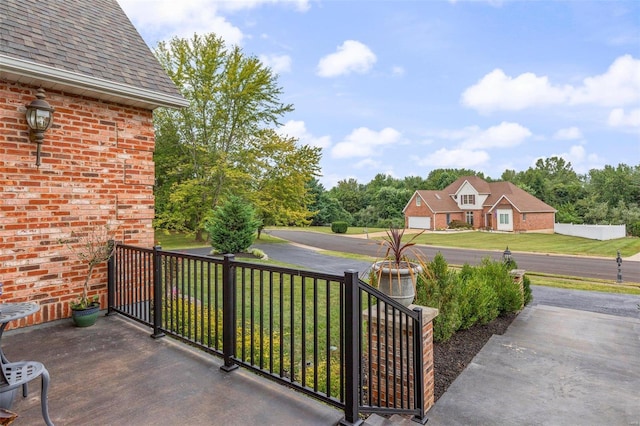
610	195
225	145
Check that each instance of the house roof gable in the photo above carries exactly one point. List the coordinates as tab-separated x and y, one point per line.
520	199
84	47
478	184
436	201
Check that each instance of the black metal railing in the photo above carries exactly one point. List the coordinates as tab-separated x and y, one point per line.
332	337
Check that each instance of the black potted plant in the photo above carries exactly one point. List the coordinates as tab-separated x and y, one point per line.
396	273
93	248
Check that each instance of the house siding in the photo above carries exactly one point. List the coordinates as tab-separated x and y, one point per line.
413	210
97	168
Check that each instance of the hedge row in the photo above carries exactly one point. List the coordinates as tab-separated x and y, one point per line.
476	294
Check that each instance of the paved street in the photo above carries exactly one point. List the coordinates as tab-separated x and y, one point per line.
553	264
306	257
592	301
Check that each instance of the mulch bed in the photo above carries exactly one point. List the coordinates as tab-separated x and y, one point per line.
453	356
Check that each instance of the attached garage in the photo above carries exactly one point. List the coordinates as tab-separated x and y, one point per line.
419	222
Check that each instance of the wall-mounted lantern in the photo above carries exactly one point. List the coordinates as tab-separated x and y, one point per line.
39	118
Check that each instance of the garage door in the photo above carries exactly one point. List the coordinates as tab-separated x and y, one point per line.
418	222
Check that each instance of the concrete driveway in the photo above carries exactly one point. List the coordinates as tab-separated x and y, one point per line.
553	366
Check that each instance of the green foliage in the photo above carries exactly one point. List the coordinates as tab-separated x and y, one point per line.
459	224
438	288
339	227
325	207
232	228
634	229
439	179
395	248
496	275
223	142
478	299
477	294
526	288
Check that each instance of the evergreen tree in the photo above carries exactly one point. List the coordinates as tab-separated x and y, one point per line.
232	227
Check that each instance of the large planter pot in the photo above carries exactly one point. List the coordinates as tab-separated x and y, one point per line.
85	317
397	283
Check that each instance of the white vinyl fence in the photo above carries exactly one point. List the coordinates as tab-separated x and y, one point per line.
594	232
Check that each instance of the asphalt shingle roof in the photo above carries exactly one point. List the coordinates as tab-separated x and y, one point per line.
442	201
89	37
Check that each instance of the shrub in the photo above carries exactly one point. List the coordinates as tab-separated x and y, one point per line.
496	274
526	287
233	226
339	227
437	287
478	299
634	229
477	294
459	224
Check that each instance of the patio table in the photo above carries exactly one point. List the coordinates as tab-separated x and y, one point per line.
13	311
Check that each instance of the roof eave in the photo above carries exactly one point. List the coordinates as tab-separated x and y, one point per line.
28	72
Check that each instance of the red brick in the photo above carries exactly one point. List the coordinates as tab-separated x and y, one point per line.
96	159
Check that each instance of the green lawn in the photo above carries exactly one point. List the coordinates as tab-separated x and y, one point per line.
525	242
535	243
352	230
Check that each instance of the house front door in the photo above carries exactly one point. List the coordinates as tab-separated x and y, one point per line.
505	219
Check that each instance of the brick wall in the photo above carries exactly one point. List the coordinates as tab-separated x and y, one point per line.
533	222
391	383
97	168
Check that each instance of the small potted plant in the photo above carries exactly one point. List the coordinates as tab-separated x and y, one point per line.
396	273
93	248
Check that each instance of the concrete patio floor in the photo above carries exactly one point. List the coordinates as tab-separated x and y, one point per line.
113	373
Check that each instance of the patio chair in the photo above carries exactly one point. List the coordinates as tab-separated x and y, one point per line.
17	374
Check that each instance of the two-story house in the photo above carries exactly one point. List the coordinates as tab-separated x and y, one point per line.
499	206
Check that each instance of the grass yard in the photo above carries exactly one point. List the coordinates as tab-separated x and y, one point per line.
352	230
534	243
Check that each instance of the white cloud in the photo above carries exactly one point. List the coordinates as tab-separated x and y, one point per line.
164	19
398	71
570	133
351	56
278	63
363	142
168	18
297	129
619	85
619	118
497	91
454	158
504	135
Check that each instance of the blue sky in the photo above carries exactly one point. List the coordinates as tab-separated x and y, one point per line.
405	87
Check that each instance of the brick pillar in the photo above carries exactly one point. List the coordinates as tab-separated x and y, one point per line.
386	367
518	277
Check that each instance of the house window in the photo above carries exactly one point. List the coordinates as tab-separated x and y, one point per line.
448	218
418	201
504	219
469	216
469	199
524	217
